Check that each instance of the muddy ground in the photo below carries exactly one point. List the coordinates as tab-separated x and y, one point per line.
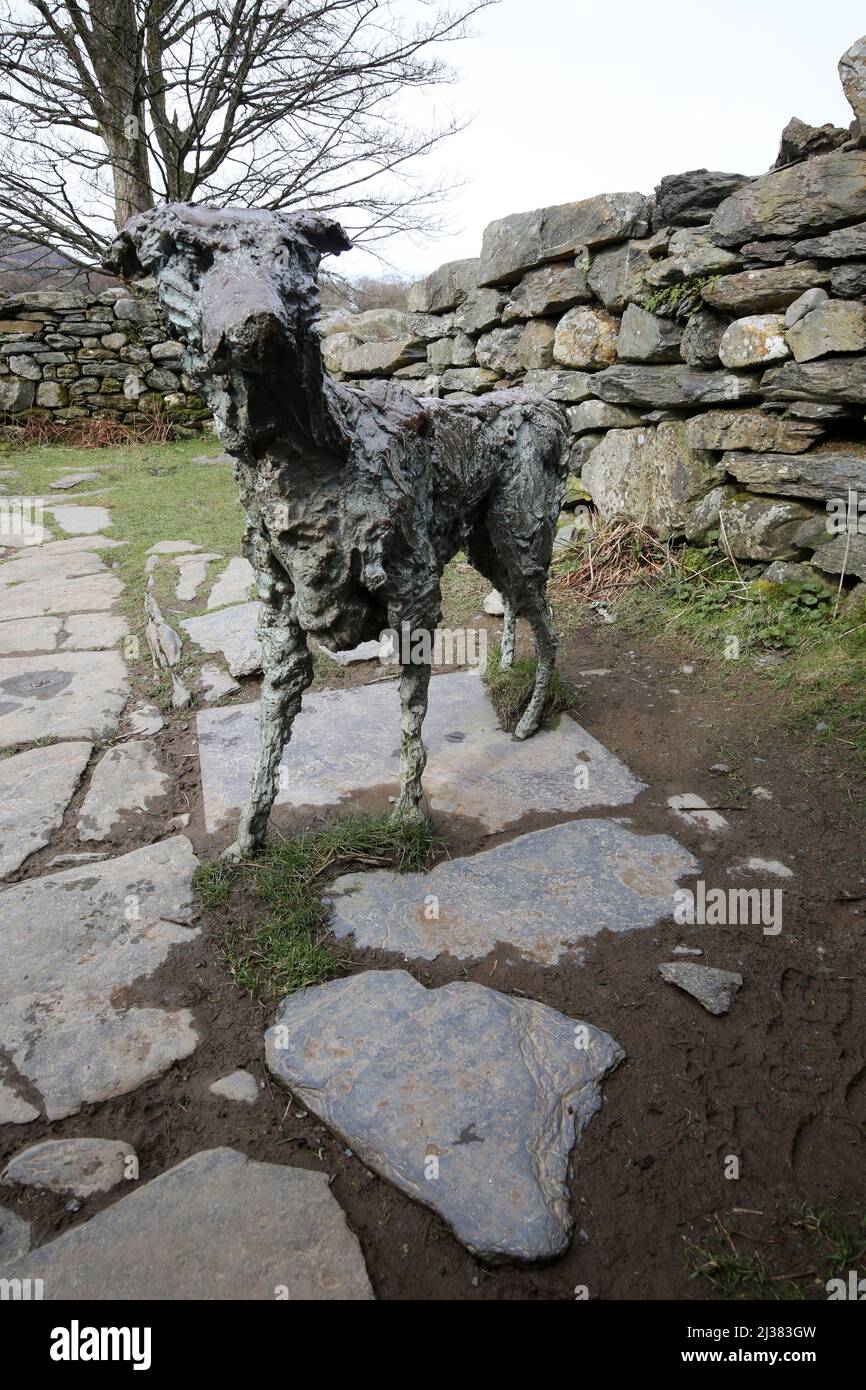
780	1082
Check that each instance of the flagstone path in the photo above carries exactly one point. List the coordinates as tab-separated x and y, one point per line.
468	1099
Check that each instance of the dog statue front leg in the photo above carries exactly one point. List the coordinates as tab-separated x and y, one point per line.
288	670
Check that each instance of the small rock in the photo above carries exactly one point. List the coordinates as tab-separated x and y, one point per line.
812	299
695	812
712	988
687	951
756	865
762	793
79	1166
216	683
238	1085
494	604
146	720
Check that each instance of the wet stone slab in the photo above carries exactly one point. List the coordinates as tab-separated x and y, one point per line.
348	741
544	894
35	788
69	695
75	950
217	1226
466	1099
127	779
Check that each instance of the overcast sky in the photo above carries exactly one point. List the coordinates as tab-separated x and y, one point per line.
575	97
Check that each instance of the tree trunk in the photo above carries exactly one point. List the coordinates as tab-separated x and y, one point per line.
116	54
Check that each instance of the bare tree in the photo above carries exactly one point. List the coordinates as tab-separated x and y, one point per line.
108	107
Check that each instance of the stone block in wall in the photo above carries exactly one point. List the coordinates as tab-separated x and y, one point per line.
114	341
499	351
444	288
52	395
535	347
160	379
458	351
21	326
16	393
764	528
849	281
580	450
343	353
802	141
823	476
689	199
763	291
513	245
617	274
750	429
701	338
846	244
165	352
842	554
817	196
45	299
673	387
837	325
549	290
645	338
471	380
481	311
691	253
15	347
422	386
25	366
837	380
650	475
566	387
593	417
586	339
131	310
83	386
754	341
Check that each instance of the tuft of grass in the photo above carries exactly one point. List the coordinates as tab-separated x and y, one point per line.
288	946
510	690
823	676
838	1244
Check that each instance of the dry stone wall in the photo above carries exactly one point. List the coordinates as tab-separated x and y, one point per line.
708	344
69	354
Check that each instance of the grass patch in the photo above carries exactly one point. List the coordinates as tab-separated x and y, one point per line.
822	679
510	690
282	943
835	1243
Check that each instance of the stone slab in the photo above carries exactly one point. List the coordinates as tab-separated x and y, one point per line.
74	949
24	635
93	631
14	1109
543	894
231	631
74	695
347	741
79	1166
54	594
216	684
466	1099
80	521
217	1226
127	779
35	789
192	571
14	1236
233	585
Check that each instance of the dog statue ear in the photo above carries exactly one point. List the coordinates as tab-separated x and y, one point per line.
324	233
121	258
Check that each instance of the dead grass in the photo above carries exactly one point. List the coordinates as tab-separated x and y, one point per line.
607	559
